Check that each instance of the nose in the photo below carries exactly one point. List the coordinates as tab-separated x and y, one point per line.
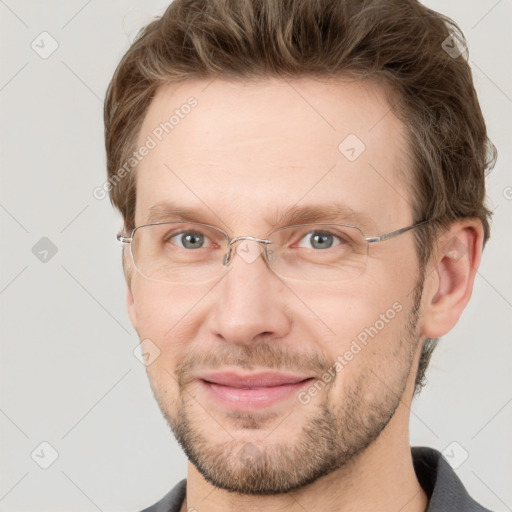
251	301
245	248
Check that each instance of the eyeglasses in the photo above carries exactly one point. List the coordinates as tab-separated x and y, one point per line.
190	252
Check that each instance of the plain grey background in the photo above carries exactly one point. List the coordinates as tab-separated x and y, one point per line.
69	376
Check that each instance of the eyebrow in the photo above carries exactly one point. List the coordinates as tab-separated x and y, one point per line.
165	211
330	212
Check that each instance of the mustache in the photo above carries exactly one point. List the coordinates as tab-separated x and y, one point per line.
261	356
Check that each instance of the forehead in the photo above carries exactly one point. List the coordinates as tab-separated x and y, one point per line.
236	150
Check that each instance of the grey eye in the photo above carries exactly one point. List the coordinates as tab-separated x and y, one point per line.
319	240
189	240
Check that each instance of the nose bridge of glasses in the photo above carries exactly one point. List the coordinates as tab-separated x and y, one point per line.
249	250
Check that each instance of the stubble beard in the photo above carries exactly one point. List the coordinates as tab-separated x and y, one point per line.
328	440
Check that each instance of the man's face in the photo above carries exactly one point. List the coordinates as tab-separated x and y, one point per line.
240	158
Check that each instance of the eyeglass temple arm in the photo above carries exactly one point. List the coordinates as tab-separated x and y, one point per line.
387	236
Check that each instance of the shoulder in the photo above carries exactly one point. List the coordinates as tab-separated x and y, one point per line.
172	501
441	484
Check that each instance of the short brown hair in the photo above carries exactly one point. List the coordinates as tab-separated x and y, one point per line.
400	43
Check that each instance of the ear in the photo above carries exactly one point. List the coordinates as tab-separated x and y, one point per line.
451	274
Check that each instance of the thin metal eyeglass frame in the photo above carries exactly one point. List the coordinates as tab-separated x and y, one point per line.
227	257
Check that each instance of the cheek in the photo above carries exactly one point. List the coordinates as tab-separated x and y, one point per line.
374	359
363	325
170	318
341	312
162	309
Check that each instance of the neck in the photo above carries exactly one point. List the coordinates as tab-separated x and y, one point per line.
381	478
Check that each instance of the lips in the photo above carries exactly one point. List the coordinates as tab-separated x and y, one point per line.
253	381
252	391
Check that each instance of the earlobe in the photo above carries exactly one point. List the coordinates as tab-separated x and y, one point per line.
451	283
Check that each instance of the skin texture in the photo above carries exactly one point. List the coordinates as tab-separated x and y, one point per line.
244	154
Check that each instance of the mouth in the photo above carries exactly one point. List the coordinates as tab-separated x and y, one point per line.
252	391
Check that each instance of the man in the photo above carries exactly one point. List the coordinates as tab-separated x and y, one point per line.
302	188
